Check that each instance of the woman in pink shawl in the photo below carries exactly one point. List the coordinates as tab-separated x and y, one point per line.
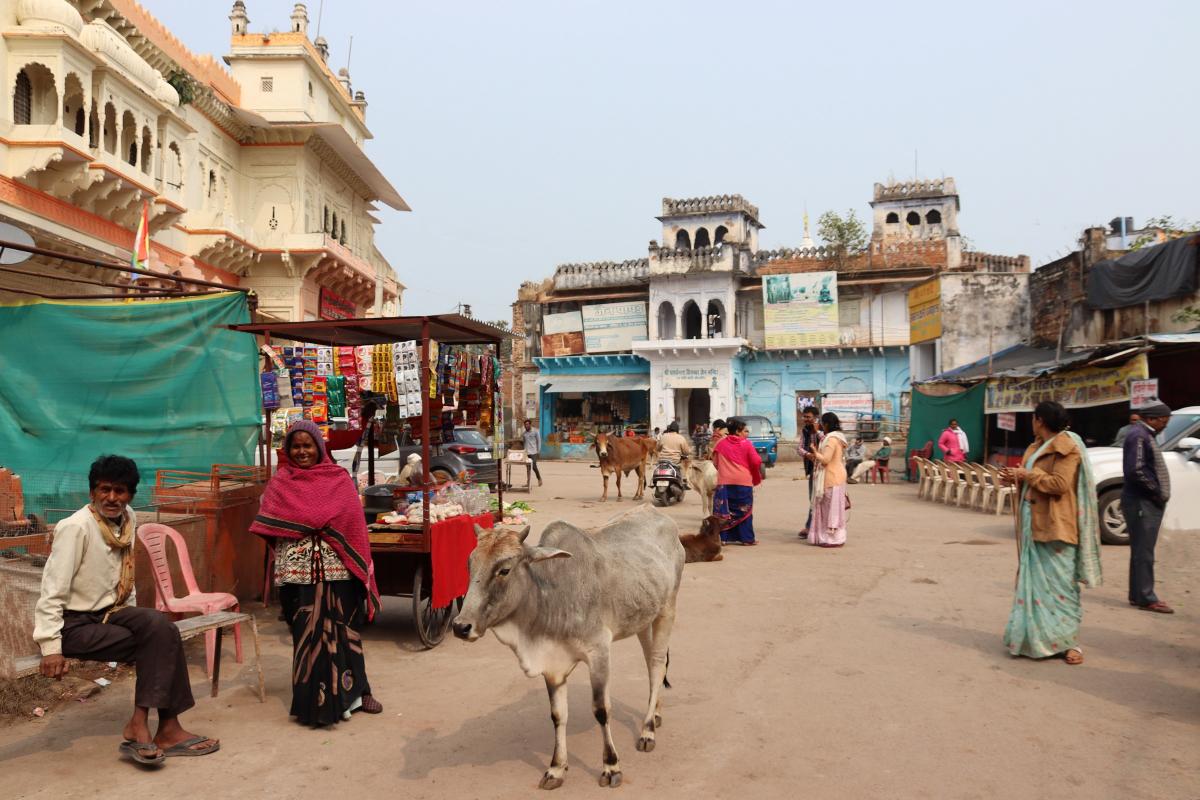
830	506
311	514
739	470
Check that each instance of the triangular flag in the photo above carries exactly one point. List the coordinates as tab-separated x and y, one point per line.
141	243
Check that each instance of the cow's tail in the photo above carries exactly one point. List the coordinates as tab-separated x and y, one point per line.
667	683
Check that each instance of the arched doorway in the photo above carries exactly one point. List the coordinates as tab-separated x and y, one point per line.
666	320
691	320
699	404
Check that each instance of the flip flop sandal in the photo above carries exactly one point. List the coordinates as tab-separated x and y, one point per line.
185	748
1078	653
142	752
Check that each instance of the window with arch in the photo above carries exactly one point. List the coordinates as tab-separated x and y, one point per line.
892	218
342	238
325	219
702	239
913	218
74	116
334	231
35	98
94	127
129	137
110	128
716	319
934	217
666	320
212	183
173	168
691	320
310	89
720	234
683	241
147	148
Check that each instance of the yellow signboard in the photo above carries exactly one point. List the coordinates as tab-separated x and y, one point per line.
925	312
1076	388
800	310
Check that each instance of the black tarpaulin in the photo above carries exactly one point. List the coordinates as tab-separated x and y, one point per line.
1154	273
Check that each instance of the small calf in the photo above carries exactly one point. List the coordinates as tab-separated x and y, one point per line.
705	545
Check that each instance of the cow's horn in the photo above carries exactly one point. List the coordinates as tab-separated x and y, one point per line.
524	534
479	531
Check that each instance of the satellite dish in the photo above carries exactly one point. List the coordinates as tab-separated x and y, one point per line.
12	234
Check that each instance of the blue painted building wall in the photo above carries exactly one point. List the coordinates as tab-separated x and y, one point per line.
767	382
582	365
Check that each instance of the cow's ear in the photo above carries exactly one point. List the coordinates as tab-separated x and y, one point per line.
537	554
480	531
524	534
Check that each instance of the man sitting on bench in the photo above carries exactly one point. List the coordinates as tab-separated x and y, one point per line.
86	611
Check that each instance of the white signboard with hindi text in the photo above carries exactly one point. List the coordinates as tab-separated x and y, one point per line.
849	407
614	327
1143	393
1006	421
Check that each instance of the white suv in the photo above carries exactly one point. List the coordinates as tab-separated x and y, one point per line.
1181	452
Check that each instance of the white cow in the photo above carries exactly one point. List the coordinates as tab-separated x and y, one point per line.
568	599
702	476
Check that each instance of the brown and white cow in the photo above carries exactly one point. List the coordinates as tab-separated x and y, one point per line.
620	455
565	601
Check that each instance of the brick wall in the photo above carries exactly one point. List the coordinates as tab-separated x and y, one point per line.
879	255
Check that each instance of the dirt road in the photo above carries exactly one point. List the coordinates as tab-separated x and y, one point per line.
872	671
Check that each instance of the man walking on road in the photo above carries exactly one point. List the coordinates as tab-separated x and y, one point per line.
1144	497
533	446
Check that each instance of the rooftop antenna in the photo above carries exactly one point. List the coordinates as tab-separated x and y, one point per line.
349	50
320	11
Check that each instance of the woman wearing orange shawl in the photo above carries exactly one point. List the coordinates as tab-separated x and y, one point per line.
312	515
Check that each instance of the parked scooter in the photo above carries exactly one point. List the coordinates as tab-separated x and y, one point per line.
668	483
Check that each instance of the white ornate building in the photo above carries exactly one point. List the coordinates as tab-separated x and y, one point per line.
255	175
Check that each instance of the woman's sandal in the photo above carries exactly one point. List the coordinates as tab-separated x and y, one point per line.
370	705
1074	656
142	752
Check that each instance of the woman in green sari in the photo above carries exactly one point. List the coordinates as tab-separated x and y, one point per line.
1058	540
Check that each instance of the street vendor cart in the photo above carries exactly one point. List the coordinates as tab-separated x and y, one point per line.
421	555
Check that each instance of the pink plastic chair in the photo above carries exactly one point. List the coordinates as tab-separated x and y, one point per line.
154	538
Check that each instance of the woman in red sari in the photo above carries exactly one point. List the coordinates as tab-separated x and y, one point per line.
311	514
739	470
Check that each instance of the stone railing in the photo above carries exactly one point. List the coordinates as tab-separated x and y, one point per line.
988	262
914	247
595	274
708	205
696	259
819	253
913	189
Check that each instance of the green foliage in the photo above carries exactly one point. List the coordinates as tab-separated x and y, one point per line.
1171	229
1187	314
183	84
844	235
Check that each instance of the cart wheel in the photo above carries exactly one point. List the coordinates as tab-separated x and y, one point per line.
432	623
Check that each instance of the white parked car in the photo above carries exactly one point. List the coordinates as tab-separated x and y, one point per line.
1180	443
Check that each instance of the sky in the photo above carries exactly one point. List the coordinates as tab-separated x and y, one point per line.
530	134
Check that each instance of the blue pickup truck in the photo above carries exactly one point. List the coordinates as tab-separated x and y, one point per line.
764	437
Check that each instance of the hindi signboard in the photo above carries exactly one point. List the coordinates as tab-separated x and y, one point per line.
614	327
849	407
1143	393
334	306
1077	388
800	309
925	312
690	377
562	334
1006	421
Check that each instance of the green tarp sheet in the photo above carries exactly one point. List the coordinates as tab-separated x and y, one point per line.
931	415
162	382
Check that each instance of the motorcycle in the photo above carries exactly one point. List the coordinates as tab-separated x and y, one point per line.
668	483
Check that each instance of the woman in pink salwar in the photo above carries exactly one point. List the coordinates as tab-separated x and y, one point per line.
830	504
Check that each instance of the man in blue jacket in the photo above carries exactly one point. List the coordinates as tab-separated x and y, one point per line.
1143	499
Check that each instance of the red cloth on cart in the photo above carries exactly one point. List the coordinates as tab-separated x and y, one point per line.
452	542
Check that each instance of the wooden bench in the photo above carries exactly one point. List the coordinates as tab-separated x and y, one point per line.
189	628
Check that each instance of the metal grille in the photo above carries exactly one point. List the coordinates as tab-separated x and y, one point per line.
23	100
268	84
